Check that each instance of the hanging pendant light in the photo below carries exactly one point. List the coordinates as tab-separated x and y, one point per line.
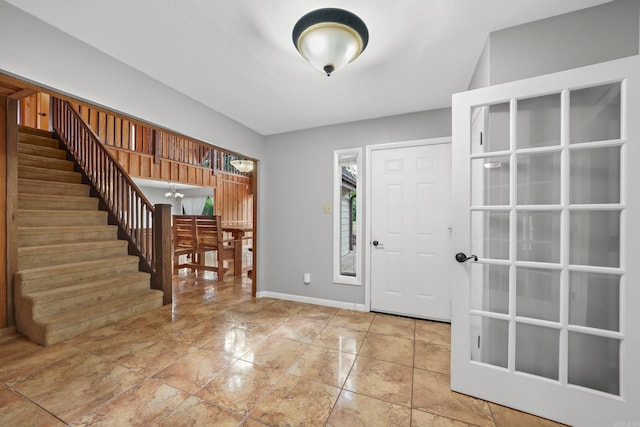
330	38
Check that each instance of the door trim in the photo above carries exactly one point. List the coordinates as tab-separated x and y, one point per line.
368	178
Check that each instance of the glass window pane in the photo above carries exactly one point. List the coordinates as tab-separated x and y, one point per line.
594	300
489	340
537	350
490	288
490	234
490	128
538	293
595	175
538	236
490	181
538	179
595	113
538	121
594	362
595	238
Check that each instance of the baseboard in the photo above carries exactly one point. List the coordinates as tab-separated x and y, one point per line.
310	300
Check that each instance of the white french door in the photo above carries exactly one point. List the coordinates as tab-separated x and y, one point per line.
544	172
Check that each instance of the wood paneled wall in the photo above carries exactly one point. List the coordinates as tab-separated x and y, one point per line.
140	165
234	199
34	111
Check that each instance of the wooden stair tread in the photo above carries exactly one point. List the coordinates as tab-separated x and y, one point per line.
70	247
28	130
40	150
65	228
121	279
38	187
54	270
59	212
49	163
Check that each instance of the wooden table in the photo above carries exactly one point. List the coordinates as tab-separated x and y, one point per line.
238	232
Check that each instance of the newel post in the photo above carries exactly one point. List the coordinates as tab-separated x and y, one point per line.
162	250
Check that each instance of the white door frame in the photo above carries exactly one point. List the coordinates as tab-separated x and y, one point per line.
368	198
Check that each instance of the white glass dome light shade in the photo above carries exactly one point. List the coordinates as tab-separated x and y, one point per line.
329	46
330	38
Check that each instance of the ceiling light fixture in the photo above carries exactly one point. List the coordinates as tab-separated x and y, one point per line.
242	165
330	38
172	194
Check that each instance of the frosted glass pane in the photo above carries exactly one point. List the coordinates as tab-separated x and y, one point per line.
537	350
538	293
490	234
490	181
538	179
490	288
594	300
595	238
594	362
538	121
489	340
595	113
595	175
538	236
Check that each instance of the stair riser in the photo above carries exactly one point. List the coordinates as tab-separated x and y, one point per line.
87	204
27	286
62	220
55	238
44	163
38	150
26	186
87	296
28	172
38	140
61	257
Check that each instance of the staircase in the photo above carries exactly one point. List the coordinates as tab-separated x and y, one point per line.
74	275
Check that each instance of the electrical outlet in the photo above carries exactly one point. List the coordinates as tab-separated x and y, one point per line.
327	209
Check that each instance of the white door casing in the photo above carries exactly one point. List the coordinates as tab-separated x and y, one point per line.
573	241
409	233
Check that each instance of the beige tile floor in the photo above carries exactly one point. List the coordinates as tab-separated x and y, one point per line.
219	357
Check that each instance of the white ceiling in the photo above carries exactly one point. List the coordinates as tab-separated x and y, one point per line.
237	56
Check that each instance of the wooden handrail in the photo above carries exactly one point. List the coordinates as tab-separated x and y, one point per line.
137	219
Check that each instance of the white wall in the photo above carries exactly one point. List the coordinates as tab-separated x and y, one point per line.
584	37
299	182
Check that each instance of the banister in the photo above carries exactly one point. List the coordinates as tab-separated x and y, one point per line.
137	219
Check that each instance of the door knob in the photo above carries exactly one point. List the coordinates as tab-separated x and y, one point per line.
461	257
377	244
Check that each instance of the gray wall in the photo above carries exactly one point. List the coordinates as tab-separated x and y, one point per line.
584	37
299	234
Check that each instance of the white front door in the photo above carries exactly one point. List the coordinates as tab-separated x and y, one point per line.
410	234
544	194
